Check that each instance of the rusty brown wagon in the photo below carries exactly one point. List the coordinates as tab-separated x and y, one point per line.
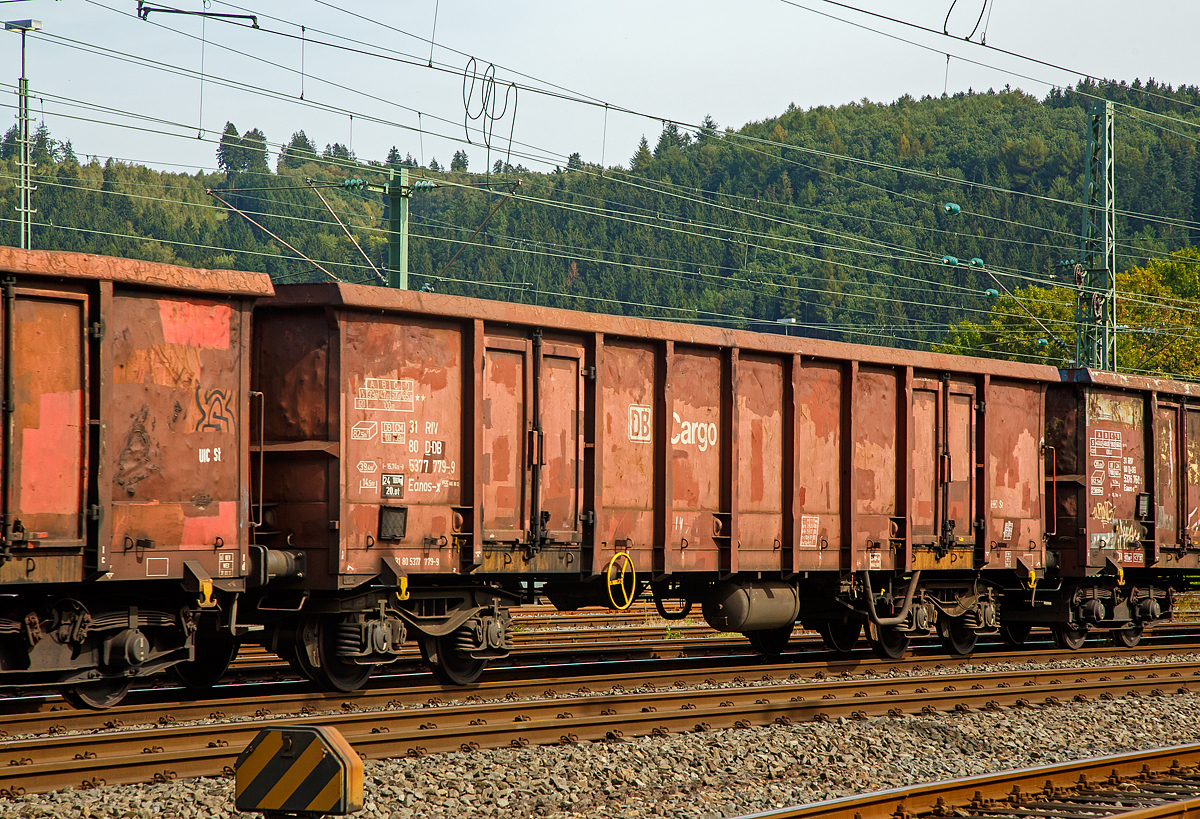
194	459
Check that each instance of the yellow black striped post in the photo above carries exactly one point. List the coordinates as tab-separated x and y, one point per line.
299	771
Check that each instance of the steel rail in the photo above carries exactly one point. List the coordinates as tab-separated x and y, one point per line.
87	759
1164	775
170	705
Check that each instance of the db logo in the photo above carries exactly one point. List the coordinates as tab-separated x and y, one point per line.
640	423
367	467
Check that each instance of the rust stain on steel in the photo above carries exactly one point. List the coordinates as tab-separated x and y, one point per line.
171	370
178	370
504	476
1166	472
1192	507
676	442
819	446
295	374
697	384
1114	470
1014	521
408	301
561	410
49	444
761	466
402	427
875	459
631	437
133	271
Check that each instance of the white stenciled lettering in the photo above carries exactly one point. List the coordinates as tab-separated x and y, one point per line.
205	455
640	426
694	433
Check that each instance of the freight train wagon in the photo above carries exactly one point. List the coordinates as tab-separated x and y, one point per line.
436	459
125	469
350	467
1124	531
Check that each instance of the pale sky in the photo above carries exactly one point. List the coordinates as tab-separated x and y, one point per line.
738	62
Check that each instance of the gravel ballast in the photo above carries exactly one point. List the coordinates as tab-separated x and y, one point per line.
711	774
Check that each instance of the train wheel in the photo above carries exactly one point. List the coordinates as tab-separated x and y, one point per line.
770	642
1015	633
449	665
1129	636
888	643
214	653
840	635
334	673
1070	638
955	636
98	694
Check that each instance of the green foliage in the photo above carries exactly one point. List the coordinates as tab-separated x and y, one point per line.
299	151
739	228
1159	328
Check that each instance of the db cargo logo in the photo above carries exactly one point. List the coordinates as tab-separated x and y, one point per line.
368	467
696	433
640	426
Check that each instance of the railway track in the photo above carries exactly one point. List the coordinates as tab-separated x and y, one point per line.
1162	783
665	640
234	702
378	727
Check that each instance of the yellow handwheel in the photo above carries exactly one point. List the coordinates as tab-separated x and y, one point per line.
623	564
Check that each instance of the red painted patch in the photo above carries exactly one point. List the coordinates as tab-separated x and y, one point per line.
197	325
51	456
201	532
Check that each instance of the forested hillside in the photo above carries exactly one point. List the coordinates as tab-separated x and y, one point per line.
831	216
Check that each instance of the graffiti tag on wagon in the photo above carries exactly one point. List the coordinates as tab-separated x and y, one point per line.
215	412
1126	533
385	395
1104	511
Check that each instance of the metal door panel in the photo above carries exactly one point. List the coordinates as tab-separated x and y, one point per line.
402	440
562	439
177	370
925	512
1014	471
631	438
1114	467
819	419
960	466
1166	474
505	476
875	417
1191	523
760	463
696	379
49	441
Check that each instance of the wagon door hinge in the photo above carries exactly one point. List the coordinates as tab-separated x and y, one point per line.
589	518
589	373
94	512
96	331
536	337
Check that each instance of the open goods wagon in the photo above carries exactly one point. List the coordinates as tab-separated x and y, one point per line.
189	464
125	467
464	453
